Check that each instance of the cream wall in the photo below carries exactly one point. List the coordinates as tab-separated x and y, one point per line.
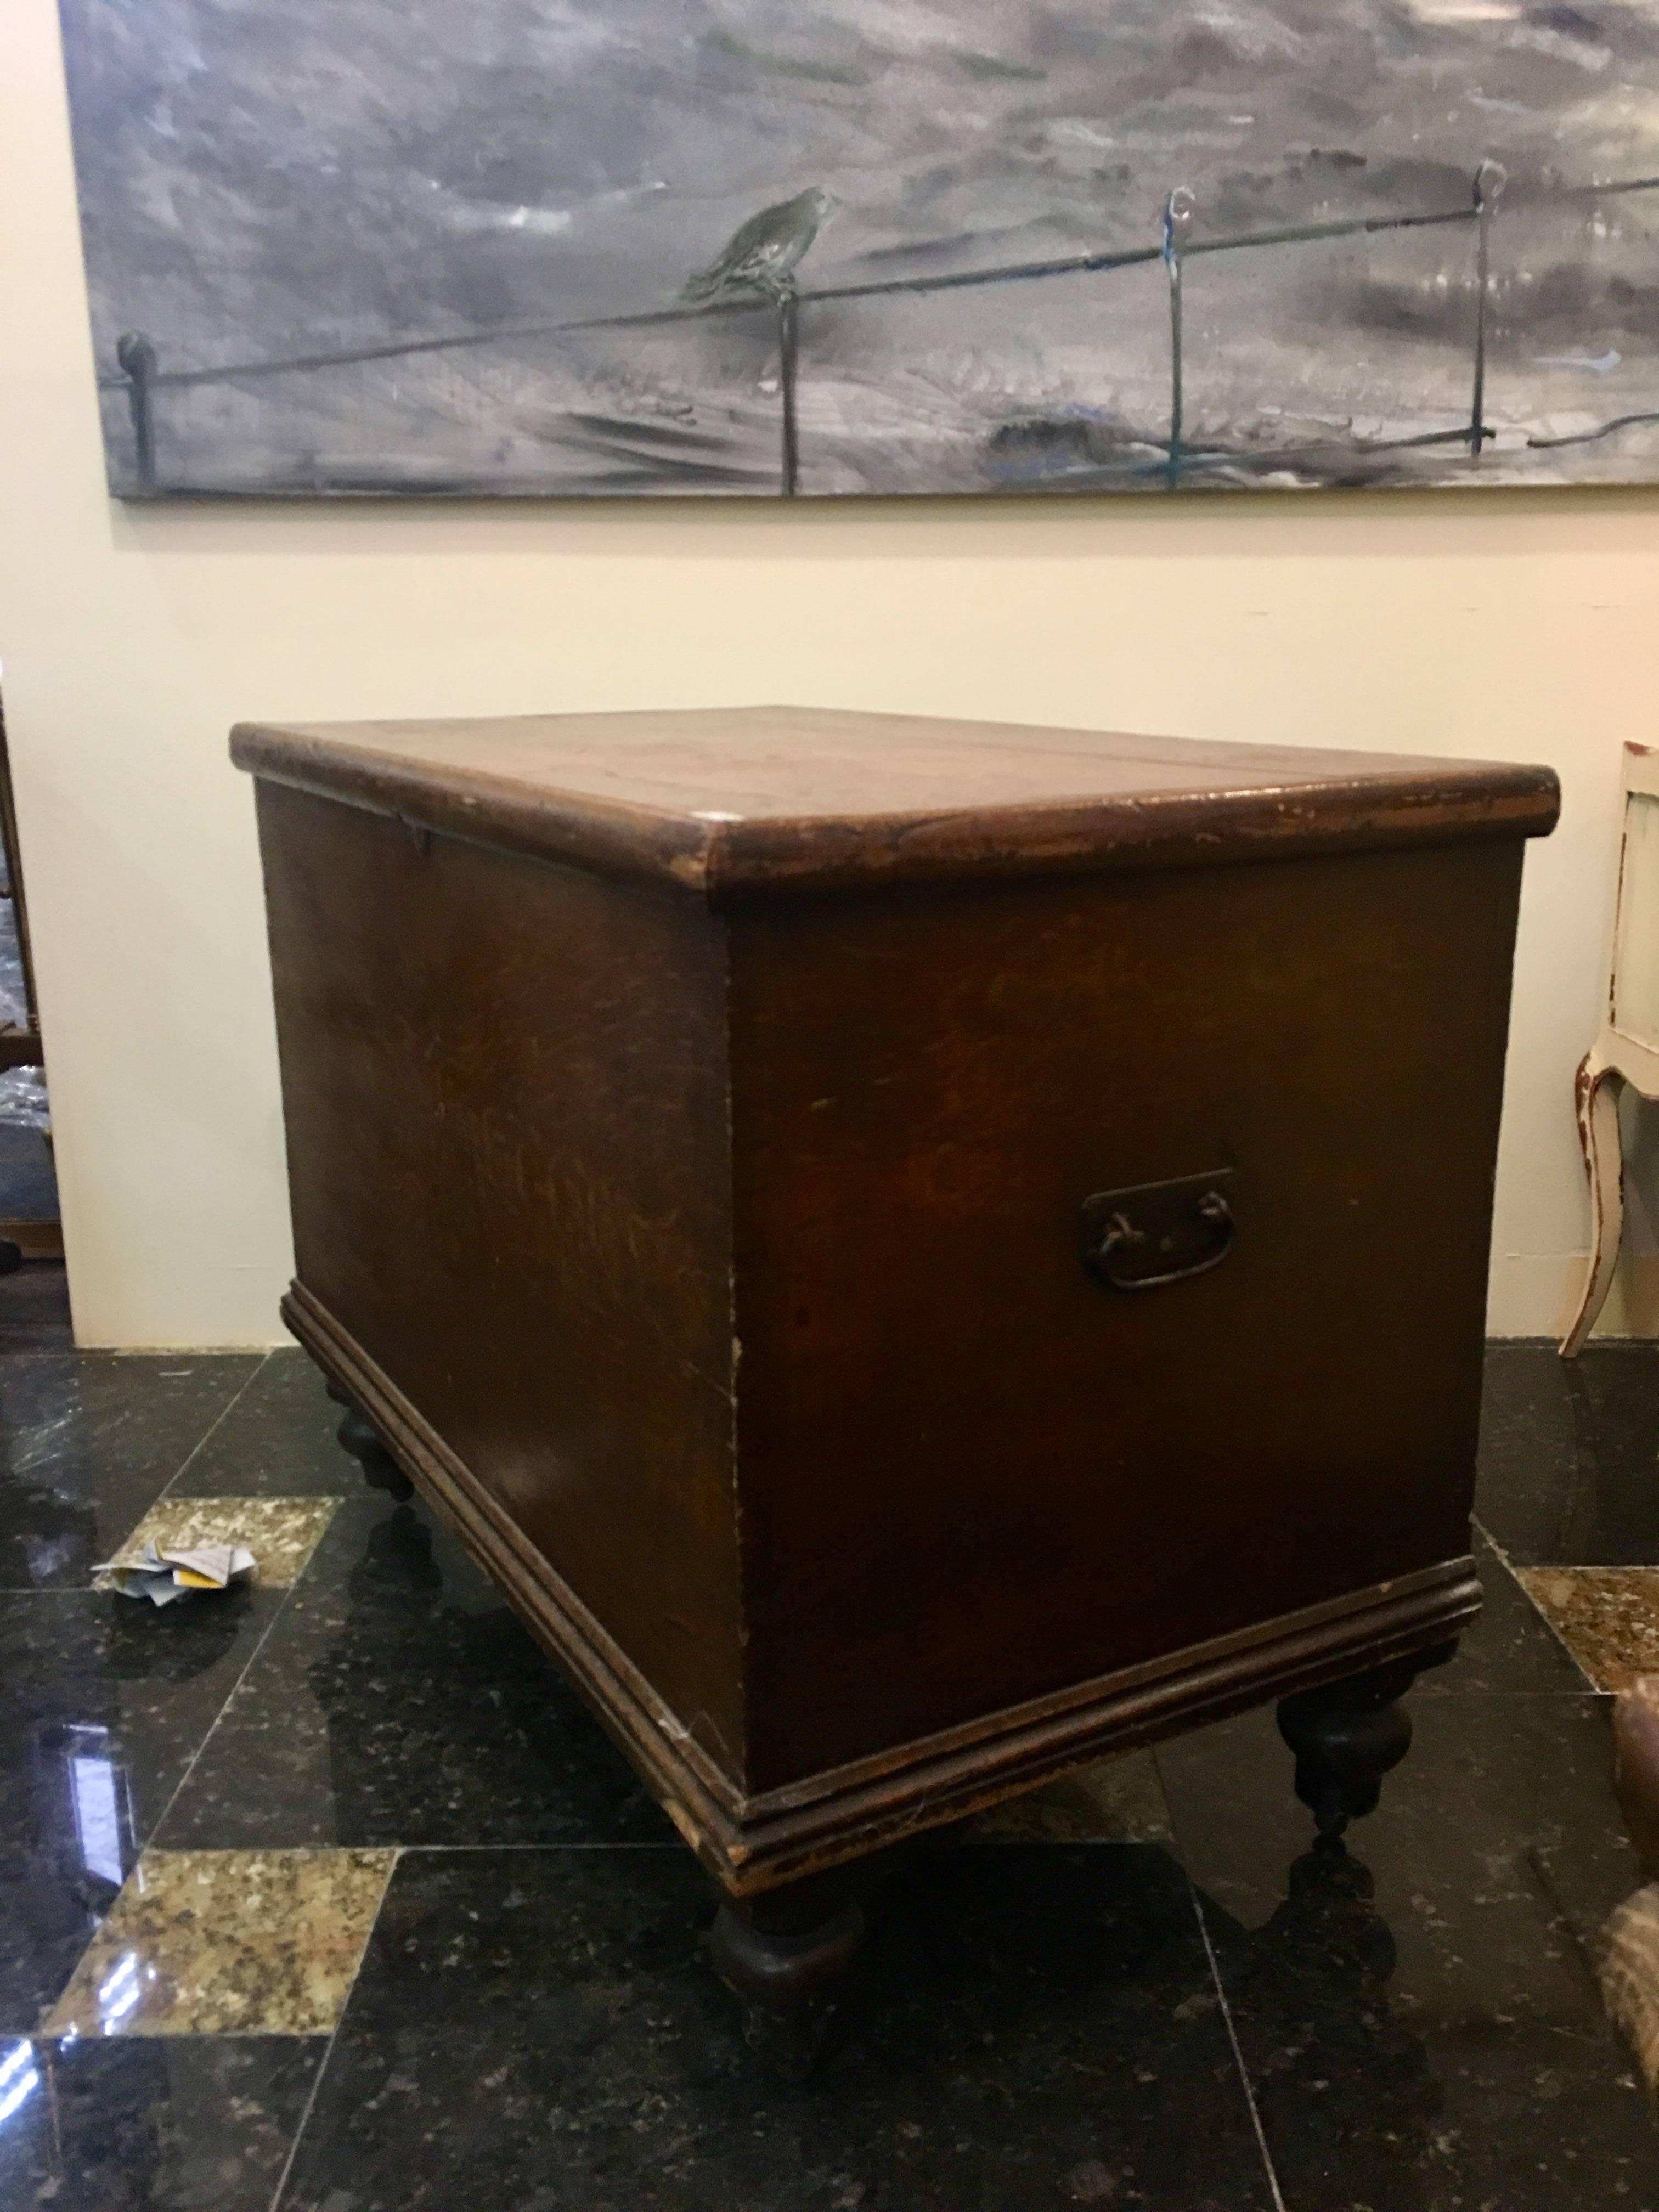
1513	624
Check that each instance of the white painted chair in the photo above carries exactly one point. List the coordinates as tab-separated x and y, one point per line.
1627	1048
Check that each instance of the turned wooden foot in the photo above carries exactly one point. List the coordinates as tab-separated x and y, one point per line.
360	1437
1636	1767
783	1954
1346	1735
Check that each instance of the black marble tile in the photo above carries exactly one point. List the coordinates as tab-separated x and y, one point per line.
34	1308
105	1702
1421	2015
1569	1454
1510	1648
400	1700
87	1442
277	1440
174	2123
1029	2027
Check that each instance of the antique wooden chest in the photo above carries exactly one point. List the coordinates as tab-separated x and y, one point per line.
915	1251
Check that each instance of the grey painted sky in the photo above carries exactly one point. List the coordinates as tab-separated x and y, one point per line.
349	163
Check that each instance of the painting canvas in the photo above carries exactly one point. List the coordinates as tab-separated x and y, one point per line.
795	247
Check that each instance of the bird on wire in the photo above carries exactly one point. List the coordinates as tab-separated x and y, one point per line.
763	254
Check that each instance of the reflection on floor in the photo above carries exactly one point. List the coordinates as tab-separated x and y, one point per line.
329	1894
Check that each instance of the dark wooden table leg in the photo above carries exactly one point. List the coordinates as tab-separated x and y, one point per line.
784	1954
1346	1735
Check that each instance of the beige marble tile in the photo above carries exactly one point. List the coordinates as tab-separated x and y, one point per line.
282	1533
1607	1617
226	1943
1115	1800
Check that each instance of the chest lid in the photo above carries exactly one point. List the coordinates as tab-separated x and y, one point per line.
733	802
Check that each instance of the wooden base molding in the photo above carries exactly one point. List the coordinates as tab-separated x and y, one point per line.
754	1844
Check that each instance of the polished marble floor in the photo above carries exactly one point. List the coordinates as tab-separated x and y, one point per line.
326	1894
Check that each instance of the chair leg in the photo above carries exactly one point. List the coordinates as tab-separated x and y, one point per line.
1597	1093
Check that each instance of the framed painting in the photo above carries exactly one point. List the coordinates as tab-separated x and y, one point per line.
793	247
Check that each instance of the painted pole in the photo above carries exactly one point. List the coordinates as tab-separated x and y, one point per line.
1490	180
136	358
1177	221
788	360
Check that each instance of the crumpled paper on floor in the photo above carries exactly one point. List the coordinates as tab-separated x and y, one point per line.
176	1572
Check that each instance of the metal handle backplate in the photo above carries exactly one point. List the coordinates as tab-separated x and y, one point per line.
1154	1233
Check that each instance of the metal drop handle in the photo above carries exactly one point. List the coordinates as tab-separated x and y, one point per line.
1143	1238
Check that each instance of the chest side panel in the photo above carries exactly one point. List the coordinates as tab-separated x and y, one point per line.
971	1473
505	1095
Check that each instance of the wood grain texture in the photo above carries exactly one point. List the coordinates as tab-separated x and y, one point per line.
735	802
688	1159
970	1472
753	1842
505	1096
